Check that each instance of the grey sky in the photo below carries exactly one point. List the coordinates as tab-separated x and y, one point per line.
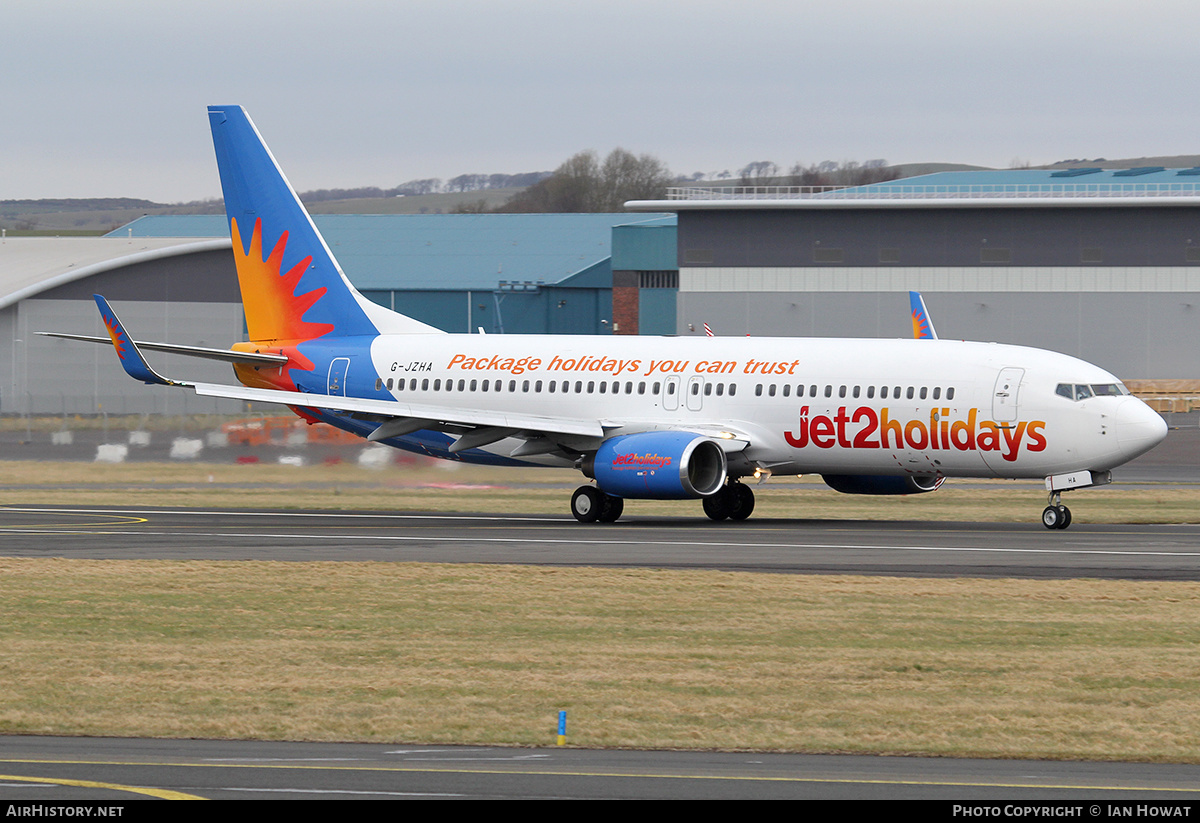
108	99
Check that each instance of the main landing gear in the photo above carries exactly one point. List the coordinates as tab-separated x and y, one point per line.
734	501
590	505
1056	515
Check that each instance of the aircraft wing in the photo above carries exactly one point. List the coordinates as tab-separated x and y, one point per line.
430	416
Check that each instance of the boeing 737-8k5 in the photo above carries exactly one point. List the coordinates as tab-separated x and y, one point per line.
644	417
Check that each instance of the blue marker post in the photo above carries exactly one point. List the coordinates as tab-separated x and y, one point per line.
562	728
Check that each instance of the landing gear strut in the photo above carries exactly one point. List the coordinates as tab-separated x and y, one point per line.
734	501
1056	515
590	505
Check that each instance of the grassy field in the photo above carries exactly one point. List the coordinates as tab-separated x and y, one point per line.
639	658
444	486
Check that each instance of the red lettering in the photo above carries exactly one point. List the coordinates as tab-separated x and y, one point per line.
1013	438
841	419
1037	441
860	439
821	432
921	439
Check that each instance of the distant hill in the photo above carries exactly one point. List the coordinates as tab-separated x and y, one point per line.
917	169
102	215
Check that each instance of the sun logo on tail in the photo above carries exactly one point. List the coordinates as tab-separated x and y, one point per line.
274	311
920	325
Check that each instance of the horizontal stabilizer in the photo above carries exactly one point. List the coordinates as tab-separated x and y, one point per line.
225	355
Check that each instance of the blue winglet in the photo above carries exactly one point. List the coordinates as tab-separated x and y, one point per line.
131	358
922	325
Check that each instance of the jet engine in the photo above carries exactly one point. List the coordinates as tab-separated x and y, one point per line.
882	483
662	465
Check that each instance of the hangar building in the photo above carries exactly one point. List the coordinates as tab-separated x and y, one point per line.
172	278
1100	264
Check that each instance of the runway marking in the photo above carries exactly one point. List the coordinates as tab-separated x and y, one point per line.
161	794
691	544
870	781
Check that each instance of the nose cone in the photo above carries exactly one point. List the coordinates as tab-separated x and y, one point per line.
1139	428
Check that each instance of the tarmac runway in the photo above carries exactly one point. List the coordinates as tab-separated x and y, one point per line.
61	771
1145	552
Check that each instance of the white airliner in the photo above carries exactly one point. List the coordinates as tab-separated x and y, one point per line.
644	417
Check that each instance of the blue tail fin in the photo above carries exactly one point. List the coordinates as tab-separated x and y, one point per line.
292	287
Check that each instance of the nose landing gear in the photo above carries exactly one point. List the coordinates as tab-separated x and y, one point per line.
1056	515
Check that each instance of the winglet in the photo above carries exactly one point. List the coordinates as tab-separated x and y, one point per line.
132	361
921	323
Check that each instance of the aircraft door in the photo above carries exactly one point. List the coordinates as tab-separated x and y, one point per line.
670	393
695	393
1004	398
337	376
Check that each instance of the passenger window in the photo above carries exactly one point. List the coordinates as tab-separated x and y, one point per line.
870	392
485	385
950	393
787	390
708	389
771	390
842	391
855	392
829	391
474	385
937	392
924	392
732	389
537	387
910	392
758	390
425	384
720	389
437	384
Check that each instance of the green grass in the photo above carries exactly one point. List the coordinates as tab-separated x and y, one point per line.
638	658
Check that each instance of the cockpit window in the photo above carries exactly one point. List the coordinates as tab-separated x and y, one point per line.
1082	391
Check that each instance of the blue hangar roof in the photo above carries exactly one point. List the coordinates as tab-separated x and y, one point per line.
1049	181
440	251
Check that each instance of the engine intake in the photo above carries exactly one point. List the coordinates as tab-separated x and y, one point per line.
659	465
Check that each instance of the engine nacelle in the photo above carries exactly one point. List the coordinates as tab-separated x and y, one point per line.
662	465
882	483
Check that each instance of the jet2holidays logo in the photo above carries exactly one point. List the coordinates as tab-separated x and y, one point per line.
864	428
